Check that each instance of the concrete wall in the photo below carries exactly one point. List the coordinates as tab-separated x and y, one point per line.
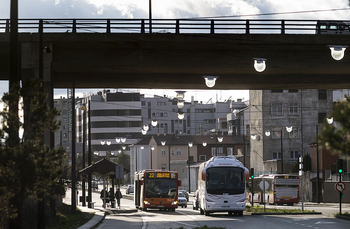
330	195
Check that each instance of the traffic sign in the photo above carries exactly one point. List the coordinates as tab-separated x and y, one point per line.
261	185
340	186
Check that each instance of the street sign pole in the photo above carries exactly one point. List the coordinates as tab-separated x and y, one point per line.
340	194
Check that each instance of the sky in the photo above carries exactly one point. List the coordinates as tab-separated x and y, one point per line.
171	9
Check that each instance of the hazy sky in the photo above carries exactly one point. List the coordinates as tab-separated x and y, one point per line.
241	9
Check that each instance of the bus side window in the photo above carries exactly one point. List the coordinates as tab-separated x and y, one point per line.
323	26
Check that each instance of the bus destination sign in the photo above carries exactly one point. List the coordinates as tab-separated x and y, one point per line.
158	175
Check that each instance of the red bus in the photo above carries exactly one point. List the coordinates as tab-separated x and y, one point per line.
156	189
279	189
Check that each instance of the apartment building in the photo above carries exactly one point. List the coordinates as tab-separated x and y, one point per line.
283	123
198	118
113	116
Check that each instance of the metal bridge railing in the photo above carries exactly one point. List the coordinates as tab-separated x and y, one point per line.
203	26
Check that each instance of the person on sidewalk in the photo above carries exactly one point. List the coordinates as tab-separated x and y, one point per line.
118	196
104	196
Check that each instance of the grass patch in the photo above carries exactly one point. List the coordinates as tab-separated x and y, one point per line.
66	220
347	214
259	209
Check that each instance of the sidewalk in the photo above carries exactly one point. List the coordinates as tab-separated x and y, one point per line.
100	212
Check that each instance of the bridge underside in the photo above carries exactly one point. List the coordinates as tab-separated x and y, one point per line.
178	61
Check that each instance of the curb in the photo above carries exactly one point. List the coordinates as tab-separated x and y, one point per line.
342	217
287	213
99	222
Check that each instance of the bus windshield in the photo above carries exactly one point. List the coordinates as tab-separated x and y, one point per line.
160	188
225	180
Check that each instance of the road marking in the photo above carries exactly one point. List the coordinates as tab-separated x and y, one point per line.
320	222
146	218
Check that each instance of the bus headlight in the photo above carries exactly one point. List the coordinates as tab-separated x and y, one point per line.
174	203
242	201
209	201
146	202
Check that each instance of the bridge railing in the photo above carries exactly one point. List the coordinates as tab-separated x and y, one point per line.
203	26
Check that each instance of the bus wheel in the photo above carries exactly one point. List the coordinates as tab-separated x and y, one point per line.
230	213
240	213
207	213
201	211
144	209
290	204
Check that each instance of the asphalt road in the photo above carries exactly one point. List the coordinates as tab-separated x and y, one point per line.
188	218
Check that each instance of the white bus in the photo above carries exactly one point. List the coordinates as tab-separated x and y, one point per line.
222	186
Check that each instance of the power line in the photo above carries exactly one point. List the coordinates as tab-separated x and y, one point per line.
270	14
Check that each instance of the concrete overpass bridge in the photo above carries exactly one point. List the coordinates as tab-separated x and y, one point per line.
121	53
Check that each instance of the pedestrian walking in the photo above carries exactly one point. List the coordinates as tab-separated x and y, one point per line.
118	196
103	196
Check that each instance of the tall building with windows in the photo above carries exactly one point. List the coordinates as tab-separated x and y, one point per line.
283	123
198	118
113	115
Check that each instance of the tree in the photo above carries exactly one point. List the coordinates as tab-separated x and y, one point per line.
335	136
123	159
28	168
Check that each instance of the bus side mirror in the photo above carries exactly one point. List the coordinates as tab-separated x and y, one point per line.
246	174
179	183
203	174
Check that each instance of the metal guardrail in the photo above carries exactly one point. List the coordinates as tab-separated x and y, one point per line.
200	26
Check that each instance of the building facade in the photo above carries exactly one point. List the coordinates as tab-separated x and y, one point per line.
283	123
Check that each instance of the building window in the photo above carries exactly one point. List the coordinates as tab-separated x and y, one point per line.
161	104
165	114
322	94
173	152
64	127
213	151
202	158
294	133
239	152
293	91
143	103
321	117
65	103
220	150
276	132
276	109
178	152
163	166
276	156
276	91
293	108
163	152
64	120
294	155
229	151
64	135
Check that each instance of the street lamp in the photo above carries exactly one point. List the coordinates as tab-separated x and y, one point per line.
190	144
181	115
210	80
180	95
337	51
259	64
117	140
152	148
204	143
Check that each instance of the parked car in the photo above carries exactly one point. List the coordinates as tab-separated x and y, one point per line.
186	194
182	201
130	189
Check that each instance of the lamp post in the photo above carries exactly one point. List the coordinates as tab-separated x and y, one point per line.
83	108
152	148
89	158
190	144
